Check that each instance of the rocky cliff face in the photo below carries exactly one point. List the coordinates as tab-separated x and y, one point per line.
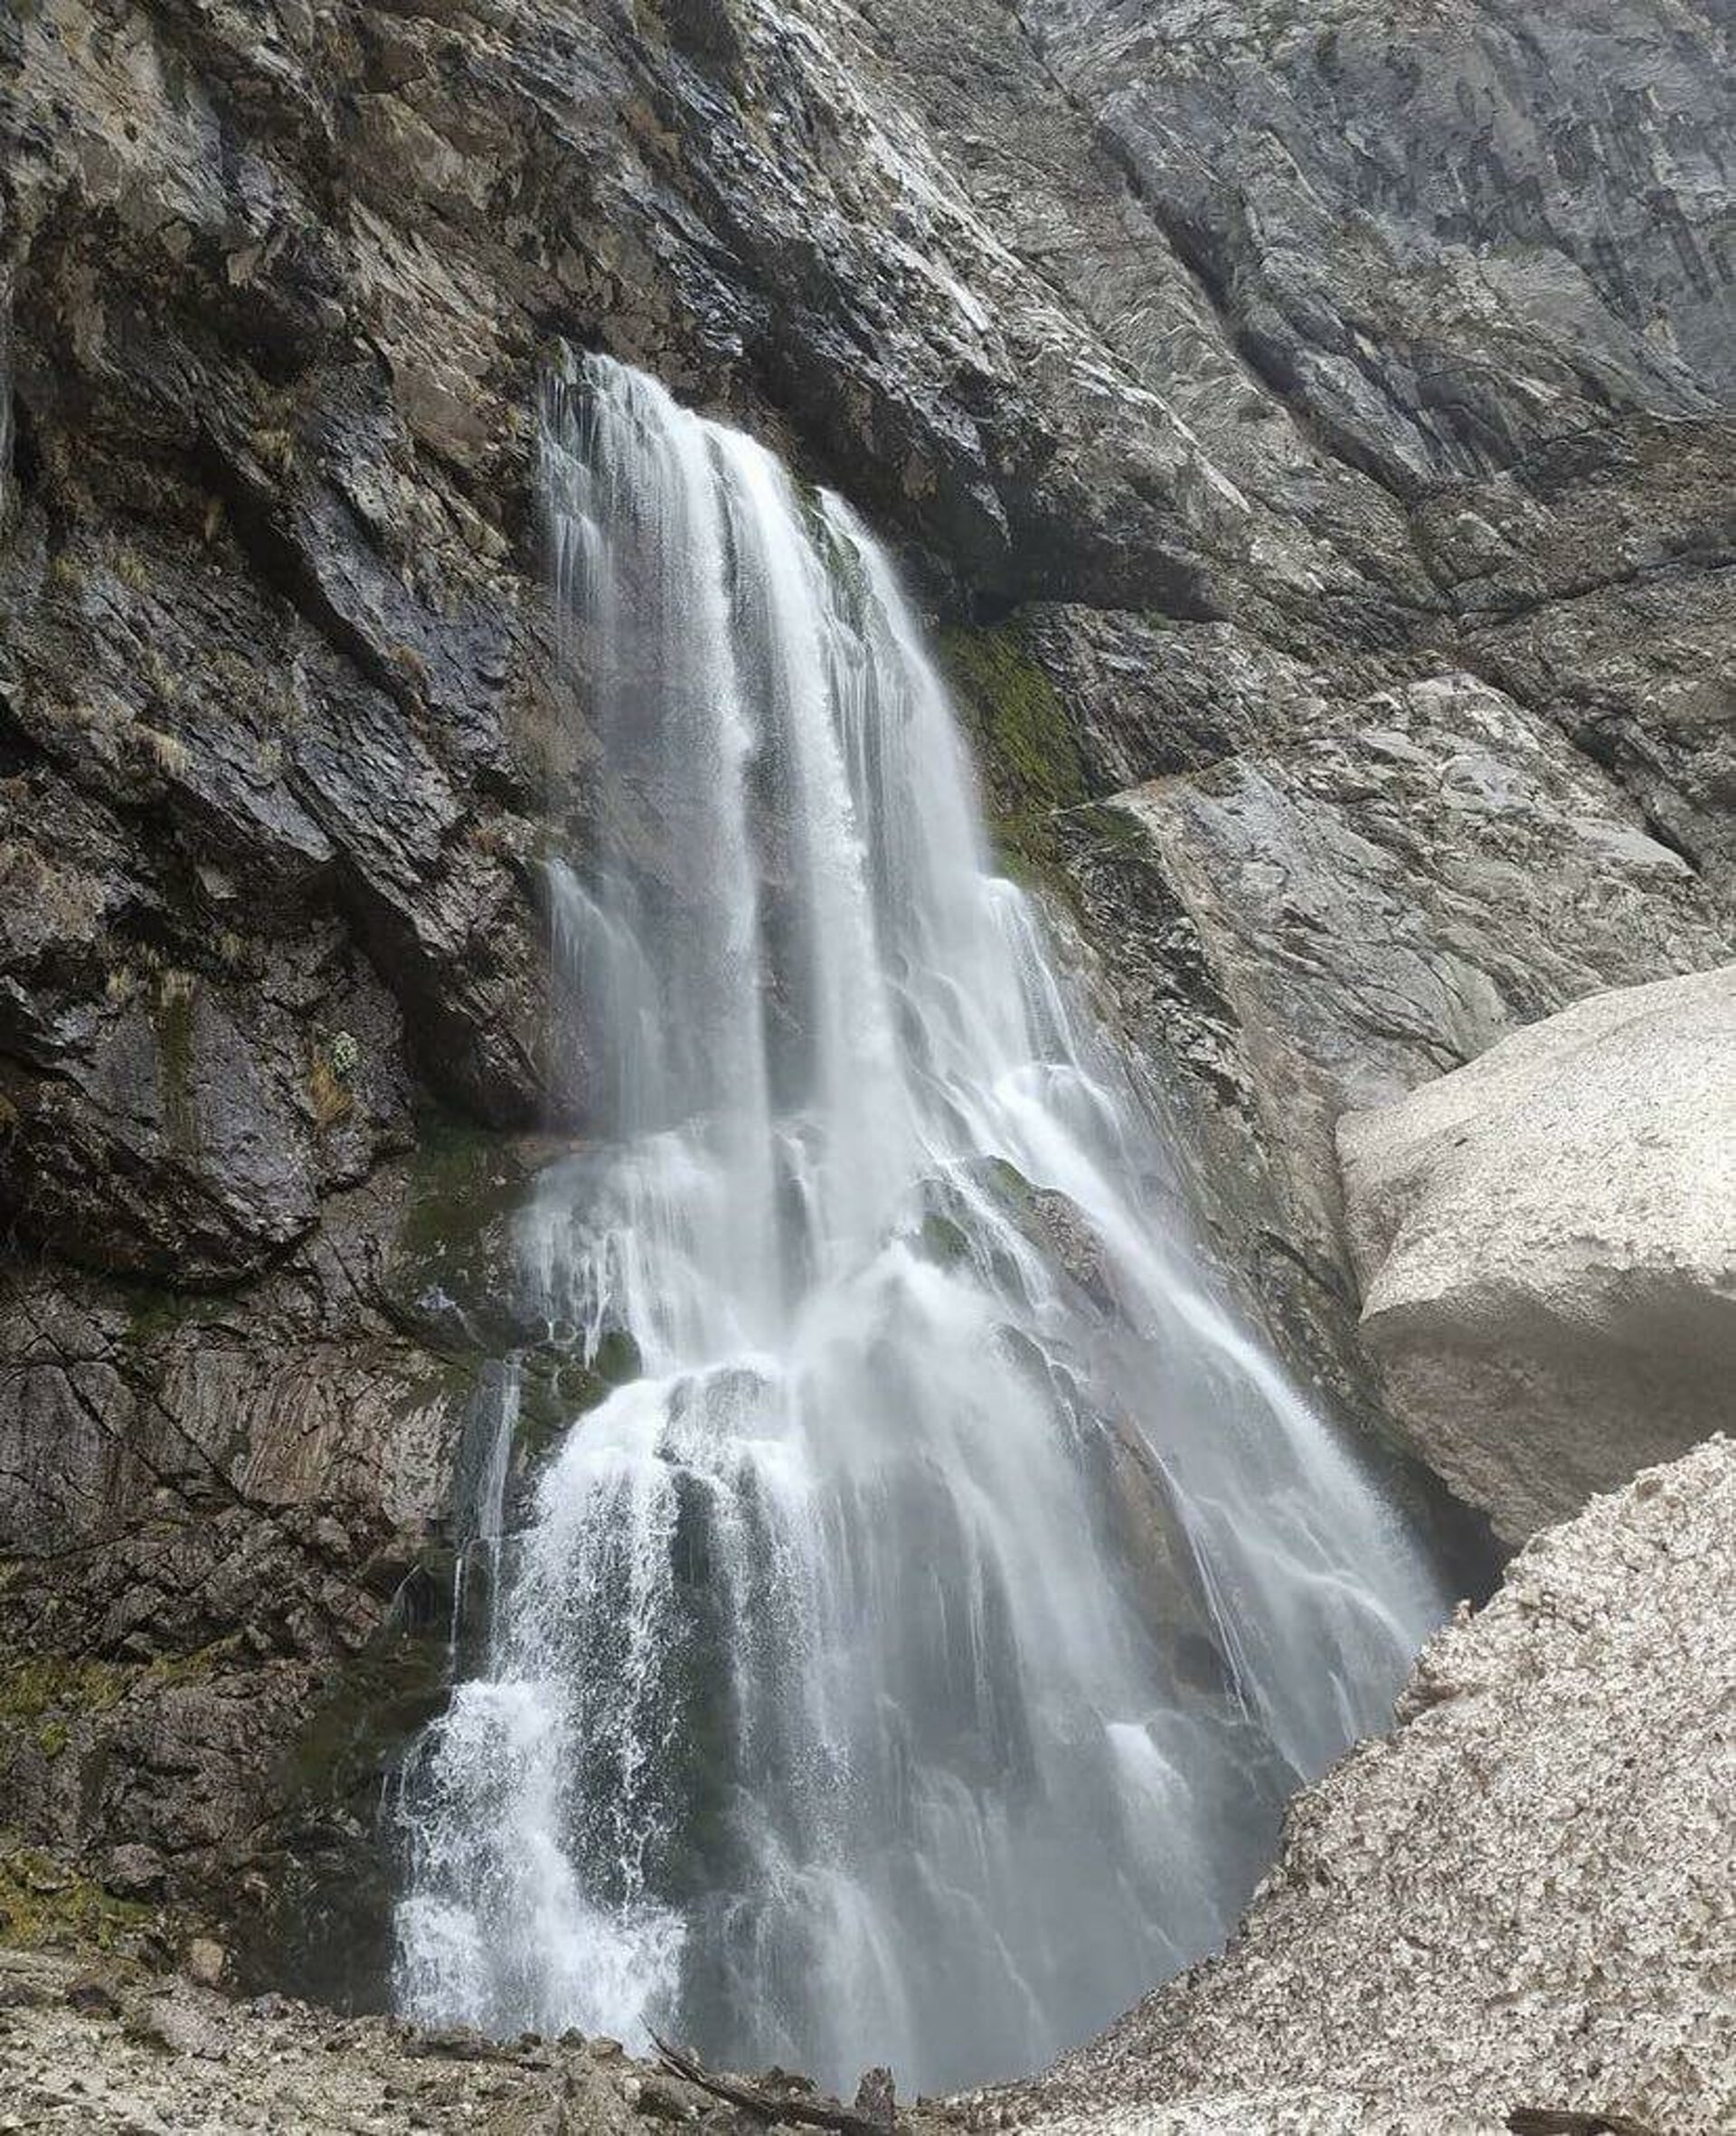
1314	436
1480	264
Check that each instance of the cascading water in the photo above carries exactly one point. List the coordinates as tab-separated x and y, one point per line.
907	1664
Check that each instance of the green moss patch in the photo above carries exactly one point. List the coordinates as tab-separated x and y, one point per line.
369	1712
457	1240
54	1689
461	1178
556	1392
942	1242
1026	742
42	1901
31	1689
174	1037
154	1312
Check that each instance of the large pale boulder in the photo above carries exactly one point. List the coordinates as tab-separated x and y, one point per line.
1546	1245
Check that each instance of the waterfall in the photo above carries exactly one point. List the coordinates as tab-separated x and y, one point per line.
909	1662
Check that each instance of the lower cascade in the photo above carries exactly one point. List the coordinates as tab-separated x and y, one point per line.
907	1662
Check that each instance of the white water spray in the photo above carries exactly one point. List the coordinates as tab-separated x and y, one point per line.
908	1663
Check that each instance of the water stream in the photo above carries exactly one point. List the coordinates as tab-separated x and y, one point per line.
909	1662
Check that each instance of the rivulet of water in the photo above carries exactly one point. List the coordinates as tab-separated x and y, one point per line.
908	1663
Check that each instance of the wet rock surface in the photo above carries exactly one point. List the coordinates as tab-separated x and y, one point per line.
1546	1241
227	1525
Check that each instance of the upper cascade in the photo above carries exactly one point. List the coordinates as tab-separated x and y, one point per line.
910	1660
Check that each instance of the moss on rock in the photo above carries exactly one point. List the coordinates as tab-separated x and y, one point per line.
1026	739
556	1391
44	1684
42	1687
369	1713
453	1272
941	1241
461	1179
44	1900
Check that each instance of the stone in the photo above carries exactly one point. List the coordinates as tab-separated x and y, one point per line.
93	1996
207	1962
655	2100
1546	1242
452	2043
179	2026
132	1871
1078	1251
876	2097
